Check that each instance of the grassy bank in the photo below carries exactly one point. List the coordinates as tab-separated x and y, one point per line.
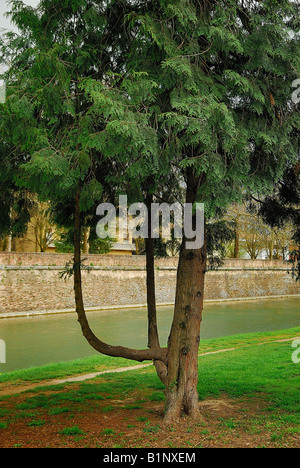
100	363
249	397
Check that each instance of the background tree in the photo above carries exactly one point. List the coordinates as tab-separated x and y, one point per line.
16	203
253	236
42	226
281	211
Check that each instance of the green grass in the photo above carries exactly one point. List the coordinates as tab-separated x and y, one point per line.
36	423
75	430
100	363
108	431
266	370
87	365
249	339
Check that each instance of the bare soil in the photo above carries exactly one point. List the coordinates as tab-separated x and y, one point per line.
136	422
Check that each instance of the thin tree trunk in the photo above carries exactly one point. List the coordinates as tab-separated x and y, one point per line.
237	238
8	243
271	255
9	237
104	348
86	236
153	337
184	340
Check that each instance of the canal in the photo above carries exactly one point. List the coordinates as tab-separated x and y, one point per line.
34	341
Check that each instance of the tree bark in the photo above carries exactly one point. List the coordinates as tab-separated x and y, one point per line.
271	253
184	340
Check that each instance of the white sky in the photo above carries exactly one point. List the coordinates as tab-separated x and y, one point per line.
5	24
4	7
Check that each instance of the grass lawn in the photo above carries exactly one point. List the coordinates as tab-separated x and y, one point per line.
100	363
249	398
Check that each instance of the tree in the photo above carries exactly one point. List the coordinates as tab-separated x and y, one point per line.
42	226
280	210
16	203
253	236
225	109
196	85
58	159
250	233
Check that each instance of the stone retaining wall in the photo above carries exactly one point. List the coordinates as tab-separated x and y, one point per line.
30	282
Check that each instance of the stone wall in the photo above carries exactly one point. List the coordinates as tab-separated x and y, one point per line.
30	282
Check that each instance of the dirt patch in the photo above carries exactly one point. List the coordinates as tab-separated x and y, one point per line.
55	419
119	412
17	387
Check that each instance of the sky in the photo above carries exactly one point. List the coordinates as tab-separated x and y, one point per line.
4	7
5	24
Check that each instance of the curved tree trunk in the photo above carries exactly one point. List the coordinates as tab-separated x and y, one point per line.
104	348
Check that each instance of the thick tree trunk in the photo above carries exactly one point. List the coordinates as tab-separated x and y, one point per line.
184	340
182	394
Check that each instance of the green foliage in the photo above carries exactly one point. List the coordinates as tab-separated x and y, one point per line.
222	71
90	194
117	96
101	246
65	243
218	233
75	430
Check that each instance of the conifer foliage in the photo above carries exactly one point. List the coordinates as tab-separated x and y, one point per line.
106	96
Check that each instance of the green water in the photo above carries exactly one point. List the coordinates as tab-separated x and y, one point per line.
34	341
